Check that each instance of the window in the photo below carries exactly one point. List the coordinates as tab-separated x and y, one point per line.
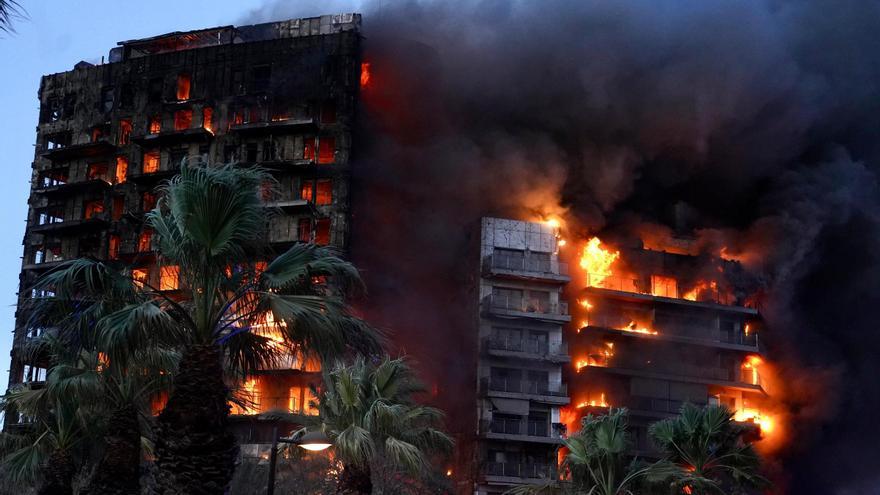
140	275
294	402
145	241
251	152
33	374
57	141
322	231
237	117
304	230
92	208
230	153
309	149
155	124
148	200
305	191
97	171
118	207
151	162
89	246
48	254
121	169
176	158
97	134
310	403
113	246
261	75
268	151
52	111
664	286
183	86
51	178
126	98
507	298
208	119
182	120
328	112
327	150
50	216
154	91
169	278
107	99
324	193
124	131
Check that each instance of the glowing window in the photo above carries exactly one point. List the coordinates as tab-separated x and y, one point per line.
327	150
118	207
305	191
140	275
664	286
322	231
183	86
149	200
310	404
92	208
169	278
97	171
145	241
121	169
208	119
124	131
155	124
182	119
304	230
151	162
113	246
324	192
309	149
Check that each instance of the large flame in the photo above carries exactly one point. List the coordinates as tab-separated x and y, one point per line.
597	262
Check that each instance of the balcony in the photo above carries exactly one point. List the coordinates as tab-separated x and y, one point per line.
525	348
521	430
273	126
72	226
85	150
291	205
705	336
525	268
737	379
74	187
168	138
526	308
516	471
634	289
508	387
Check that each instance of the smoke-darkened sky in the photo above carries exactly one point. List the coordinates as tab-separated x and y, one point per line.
758	118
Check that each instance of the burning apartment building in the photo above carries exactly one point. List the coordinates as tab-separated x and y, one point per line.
279	95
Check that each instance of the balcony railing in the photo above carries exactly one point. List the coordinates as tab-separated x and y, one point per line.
527	346
526	305
526	264
520	470
637	286
527	387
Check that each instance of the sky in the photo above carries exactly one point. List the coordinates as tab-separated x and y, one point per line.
56	35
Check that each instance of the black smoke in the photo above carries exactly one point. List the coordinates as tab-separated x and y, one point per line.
760	119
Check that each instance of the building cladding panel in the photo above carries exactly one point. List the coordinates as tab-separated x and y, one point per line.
280	95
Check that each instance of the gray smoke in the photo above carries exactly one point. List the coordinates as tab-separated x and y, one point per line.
759	118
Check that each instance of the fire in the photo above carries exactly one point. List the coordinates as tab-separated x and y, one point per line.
585	303
701	286
594	403
365	74
764	422
597	262
635	328
750	367
601	357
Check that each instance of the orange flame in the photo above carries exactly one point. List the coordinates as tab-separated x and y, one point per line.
597	262
365	74
701	286
594	403
635	328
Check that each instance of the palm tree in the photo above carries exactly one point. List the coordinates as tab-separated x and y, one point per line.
707	447
212	226
369	413
9	10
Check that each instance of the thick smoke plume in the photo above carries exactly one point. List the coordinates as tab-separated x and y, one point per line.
756	121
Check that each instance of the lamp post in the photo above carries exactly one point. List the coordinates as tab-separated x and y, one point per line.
313	441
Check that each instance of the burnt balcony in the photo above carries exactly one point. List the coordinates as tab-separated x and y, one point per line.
94	222
526	268
520	470
556	393
734	378
169	138
75	151
273	126
291	205
527	348
526	308
95	184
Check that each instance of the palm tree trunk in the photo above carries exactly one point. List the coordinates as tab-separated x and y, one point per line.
118	471
57	471
195	452
355	480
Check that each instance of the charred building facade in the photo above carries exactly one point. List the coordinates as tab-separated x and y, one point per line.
280	95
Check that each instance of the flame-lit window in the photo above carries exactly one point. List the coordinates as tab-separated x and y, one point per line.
155	124
208	119
97	171
158	402
327	150
121	169
328	112
118	207
124	131
306	190
183	86
237	117
148	200
664	286
310	404
182	120
151	162
322	231
304	230
113	246
309	149
97	134
145	241
140	275
365	74
169	278
294	402
92	208
250	397
324	192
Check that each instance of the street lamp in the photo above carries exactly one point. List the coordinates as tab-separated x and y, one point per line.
313	441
